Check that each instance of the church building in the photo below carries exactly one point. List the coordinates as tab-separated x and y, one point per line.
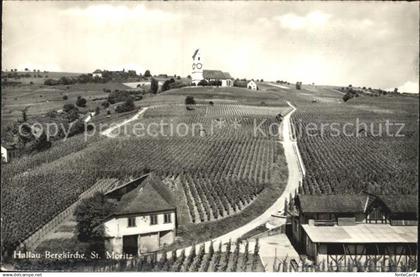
199	73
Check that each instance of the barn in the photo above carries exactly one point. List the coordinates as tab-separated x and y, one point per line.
336	227
144	220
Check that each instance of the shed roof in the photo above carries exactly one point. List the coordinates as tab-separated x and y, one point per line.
362	233
150	196
400	203
332	203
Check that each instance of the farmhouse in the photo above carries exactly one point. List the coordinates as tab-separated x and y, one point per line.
145	217
252	85
199	73
97	74
8	152
335	226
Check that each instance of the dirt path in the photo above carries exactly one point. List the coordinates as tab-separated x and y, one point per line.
294	177
108	132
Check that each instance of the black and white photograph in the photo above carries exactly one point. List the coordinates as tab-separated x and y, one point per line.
209	136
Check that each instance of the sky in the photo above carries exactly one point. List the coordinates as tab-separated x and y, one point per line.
372	44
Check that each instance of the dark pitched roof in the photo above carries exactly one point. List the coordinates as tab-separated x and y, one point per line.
400	203
195	53
215	74
332	203
150	196
227	75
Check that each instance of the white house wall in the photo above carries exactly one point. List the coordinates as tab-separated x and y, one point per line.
118	227
4	154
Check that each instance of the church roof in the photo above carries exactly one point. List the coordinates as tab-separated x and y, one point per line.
215	74
150	196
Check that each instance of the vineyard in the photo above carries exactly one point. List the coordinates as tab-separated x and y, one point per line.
354	152
216	175
232	257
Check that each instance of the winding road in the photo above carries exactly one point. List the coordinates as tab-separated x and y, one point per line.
294	167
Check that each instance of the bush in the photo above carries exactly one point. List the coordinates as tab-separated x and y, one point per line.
105	104
216	83
68	107
203	83
128	105
65	97
189	100
347	96
51	82
81	102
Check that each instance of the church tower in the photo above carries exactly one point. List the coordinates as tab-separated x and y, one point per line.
197	67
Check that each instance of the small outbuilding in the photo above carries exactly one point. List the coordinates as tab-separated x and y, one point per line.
252	85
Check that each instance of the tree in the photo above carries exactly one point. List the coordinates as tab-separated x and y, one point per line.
97	110
41	142
167	84
395	90
147	73
90	213
81	102
298	85
347	96
65	97
128	105
154	86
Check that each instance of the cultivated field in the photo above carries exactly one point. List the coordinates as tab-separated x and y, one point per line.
39	99
221	180
358	158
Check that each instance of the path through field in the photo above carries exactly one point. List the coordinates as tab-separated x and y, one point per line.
108	132
294	177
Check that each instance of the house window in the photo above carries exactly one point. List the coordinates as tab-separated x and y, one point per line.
153	219
131	222
167	218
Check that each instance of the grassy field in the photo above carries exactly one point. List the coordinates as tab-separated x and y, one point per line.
40	99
